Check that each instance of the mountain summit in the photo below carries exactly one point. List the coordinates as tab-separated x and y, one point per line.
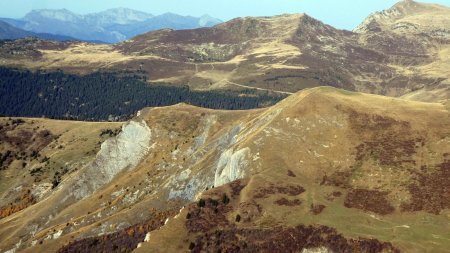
122	16
206	21
63	15
410	17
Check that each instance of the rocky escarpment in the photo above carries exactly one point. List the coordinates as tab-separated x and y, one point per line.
116	154
231	166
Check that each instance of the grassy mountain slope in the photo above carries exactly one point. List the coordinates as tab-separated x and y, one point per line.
353	166
402	51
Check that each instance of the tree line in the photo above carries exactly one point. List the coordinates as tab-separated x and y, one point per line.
106	96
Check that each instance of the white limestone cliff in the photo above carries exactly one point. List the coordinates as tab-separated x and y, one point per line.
231	166
116	154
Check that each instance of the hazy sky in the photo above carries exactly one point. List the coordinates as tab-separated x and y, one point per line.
344	14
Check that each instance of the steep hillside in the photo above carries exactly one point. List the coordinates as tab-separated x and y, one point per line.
324	169
35	154
10	32
418	35
385	55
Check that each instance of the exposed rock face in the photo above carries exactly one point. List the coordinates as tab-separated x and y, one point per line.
202	138
231	166
409	17
187	185
317	250
126	150
147	237
116	154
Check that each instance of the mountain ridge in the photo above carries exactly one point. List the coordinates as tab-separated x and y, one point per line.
406	13
371	149
9	32
114	24
284	53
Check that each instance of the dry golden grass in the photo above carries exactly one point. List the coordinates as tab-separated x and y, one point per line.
440	66
308	135
311	133
87	54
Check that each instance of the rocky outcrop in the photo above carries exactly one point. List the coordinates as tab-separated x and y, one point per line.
120	153
116	154
231	166
317	250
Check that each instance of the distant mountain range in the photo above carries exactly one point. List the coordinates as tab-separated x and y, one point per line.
111	26
9	32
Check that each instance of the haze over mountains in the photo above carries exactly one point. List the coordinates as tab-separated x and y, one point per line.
325	169
110	26
9	32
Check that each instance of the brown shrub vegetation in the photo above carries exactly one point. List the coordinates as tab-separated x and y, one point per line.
430	190
338	179
317	209
22	202
281	239
122	241
205	216
291	190
286	202
369	200
385	139
236	187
